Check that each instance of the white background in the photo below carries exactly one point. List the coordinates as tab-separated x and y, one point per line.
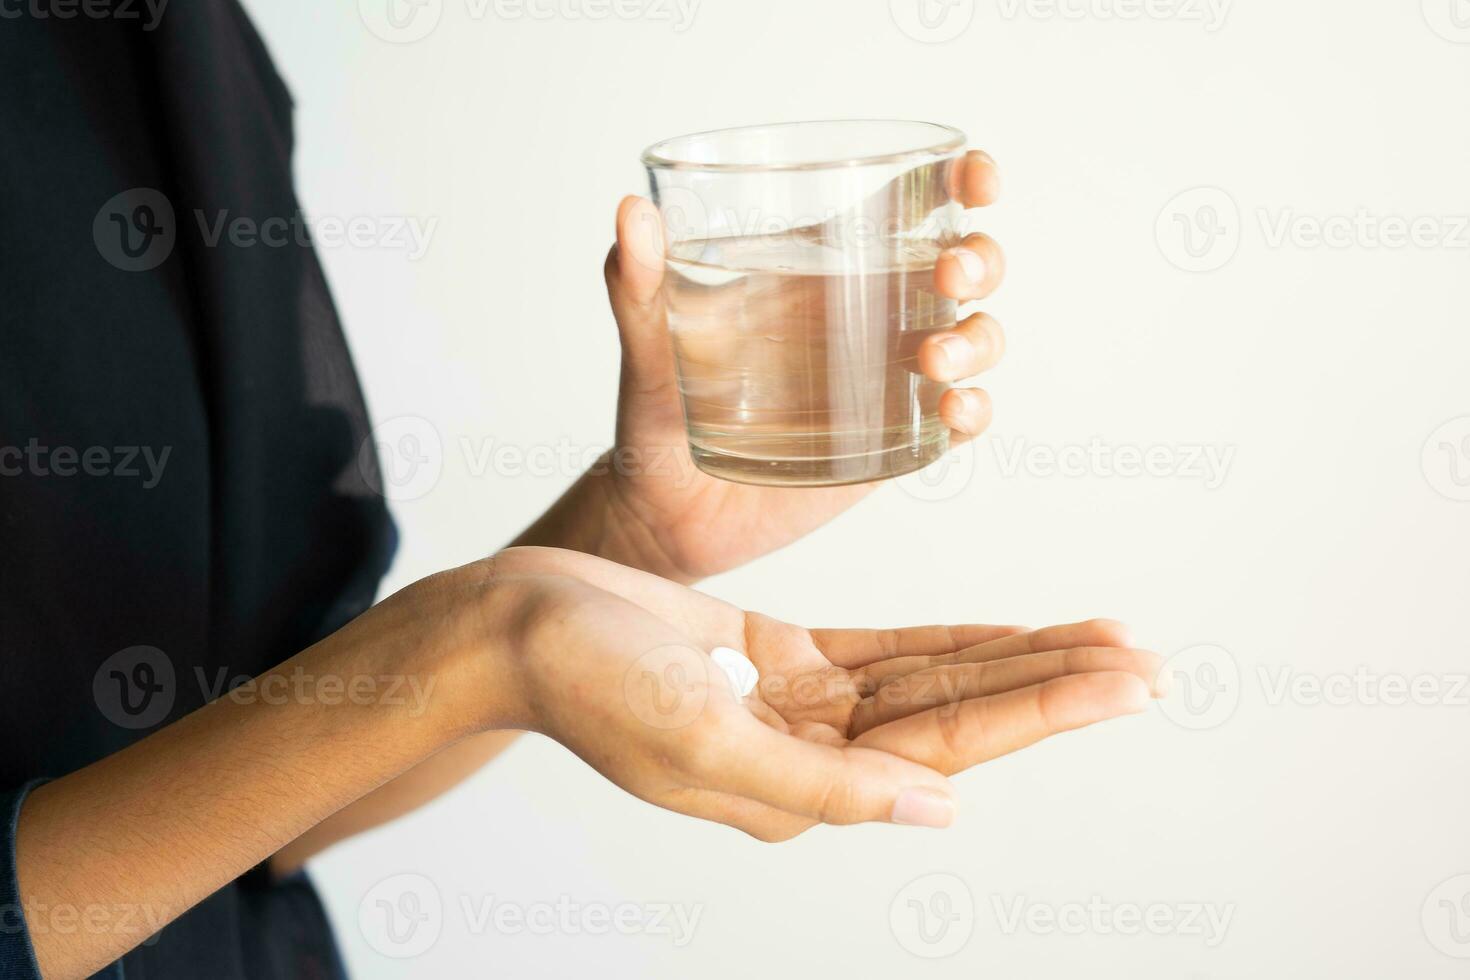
1332	545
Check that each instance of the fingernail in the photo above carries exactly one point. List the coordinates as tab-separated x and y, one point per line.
1164	683
646	235
956	350
972	265
922	807
970	407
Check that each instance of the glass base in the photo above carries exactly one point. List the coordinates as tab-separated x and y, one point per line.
837	471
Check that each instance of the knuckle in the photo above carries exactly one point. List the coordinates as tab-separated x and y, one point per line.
839	799
888	642
1108	632
982	243
950	726
995	335
1045	707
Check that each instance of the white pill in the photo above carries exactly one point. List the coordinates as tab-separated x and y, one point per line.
737	666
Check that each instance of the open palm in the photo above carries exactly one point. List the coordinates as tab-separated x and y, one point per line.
844	725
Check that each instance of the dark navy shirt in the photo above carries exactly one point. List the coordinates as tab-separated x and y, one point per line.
186	477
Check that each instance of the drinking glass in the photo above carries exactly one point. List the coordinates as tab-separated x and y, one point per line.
799	285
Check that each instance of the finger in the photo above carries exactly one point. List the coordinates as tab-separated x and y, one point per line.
974	180
955	737
858	648
1092	633
976	344
925	689
763	822
634	272
765	713
640	249
827	783
967	412
973	269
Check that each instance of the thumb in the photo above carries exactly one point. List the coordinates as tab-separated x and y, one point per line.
835	785
640	252
635	273
649	405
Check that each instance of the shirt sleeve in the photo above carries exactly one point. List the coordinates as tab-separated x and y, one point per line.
17	956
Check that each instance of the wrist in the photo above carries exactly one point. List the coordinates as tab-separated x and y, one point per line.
445	639
599	515
483	657
627	536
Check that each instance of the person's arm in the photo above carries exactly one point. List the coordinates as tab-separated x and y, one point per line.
162	824
436	776
579	650
645	505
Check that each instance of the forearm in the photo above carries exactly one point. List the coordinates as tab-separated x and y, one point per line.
590	518
157	827
587	518
421	784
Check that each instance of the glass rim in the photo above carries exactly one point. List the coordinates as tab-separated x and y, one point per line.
952	139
